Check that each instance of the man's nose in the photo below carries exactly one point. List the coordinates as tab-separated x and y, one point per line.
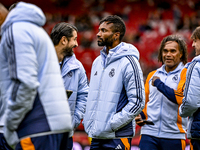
98	34
193	44
76	44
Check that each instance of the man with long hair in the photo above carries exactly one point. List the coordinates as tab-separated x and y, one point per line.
168	127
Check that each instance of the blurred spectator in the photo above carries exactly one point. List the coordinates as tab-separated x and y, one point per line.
177	15
83	23
142	28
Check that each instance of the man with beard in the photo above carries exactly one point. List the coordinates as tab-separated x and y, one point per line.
64	37
116	93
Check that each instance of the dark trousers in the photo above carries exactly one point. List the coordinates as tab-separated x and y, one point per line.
3	144
195	144
148	142
46	142
111	144
70	143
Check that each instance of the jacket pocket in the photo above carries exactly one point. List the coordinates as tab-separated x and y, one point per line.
126	131
102	131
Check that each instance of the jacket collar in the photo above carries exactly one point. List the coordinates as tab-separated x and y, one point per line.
69	64
178	68
121	50
196	58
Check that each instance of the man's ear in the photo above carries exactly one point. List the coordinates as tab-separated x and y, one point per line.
63	40
116	35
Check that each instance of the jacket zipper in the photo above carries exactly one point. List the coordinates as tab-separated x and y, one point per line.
161	111
93	123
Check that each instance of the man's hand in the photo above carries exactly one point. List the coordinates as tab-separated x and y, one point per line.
139	121
153	79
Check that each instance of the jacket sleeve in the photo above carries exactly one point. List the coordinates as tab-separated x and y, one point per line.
173	95
134	86
82	94
191	100
144	111
23	71
164	89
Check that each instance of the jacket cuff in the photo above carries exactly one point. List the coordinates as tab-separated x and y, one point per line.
142	115
157	82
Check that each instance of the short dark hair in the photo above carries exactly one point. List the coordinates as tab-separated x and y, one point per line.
118	24
196	33
60	30
181	45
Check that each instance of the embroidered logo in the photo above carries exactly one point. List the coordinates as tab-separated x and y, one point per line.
95	73
69	74
175	78
112	73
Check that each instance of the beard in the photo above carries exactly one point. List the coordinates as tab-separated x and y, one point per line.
68	51
106	42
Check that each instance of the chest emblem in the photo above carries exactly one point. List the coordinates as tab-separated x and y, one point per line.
175	78
69	74
112	73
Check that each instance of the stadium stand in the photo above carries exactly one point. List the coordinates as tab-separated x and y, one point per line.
147	22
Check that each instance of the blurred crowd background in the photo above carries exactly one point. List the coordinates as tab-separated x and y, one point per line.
147	22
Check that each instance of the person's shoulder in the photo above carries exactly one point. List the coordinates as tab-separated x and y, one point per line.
197	66
76	60
185	68
96	60
150	75
79	63
129	60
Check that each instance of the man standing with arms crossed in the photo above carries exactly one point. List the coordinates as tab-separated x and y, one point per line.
169	127
191	101
116	92
37	111
64	37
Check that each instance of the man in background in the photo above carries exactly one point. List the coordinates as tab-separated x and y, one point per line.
191	101
64	37
3	143
116	92
37	111
168	127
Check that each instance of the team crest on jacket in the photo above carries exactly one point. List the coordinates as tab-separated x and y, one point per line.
69	74
112	72
175	78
